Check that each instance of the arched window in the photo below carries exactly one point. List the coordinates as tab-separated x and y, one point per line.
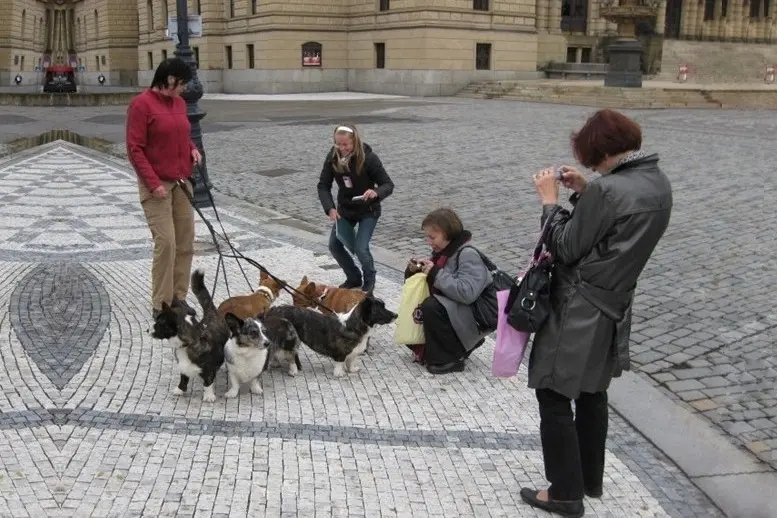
41	35
96	25
24	21
311	54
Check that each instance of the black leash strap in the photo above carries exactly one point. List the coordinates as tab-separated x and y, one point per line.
236	254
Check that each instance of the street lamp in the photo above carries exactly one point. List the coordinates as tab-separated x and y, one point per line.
192	94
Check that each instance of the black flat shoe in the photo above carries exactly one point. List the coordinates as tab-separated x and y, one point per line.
573	508
446	368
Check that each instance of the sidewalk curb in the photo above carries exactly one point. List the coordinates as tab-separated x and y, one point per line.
739	483
736	481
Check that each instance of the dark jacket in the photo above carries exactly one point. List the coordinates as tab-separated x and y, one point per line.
373	176
599	252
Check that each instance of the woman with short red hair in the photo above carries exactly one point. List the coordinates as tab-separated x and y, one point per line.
599	251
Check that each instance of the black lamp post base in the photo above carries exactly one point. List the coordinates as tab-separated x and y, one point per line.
625	69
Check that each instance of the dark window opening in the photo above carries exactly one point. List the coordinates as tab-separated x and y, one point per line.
250	55
480	5
585	55
571	54
228	49
380	55
483	56
384	5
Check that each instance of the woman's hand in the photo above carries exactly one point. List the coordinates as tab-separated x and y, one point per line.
196	156
426	266
160	192
370	194
333	215
547	186
573	179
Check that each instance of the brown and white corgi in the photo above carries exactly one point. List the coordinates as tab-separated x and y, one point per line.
255	304
339	300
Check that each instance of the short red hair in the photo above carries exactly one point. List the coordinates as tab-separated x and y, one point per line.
606	133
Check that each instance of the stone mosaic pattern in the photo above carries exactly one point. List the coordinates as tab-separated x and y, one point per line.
705	327
391	440
59	313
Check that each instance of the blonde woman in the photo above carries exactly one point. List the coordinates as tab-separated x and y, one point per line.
362	184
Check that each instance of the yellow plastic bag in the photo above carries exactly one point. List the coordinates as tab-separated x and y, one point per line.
409	329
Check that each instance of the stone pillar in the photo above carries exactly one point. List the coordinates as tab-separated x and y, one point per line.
51	30
661	18
541	15
554	16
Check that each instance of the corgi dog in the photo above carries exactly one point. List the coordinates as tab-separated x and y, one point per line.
255	304
342	338
339	300
198	345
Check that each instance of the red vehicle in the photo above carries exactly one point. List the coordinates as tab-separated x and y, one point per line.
60	79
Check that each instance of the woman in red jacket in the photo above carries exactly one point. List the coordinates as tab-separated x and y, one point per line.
162	153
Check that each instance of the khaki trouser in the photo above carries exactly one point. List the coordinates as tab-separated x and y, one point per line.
171	221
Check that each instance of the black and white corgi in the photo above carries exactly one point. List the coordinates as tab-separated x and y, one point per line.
342	338
245	354
198	345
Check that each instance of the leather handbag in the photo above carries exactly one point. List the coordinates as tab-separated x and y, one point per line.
528	305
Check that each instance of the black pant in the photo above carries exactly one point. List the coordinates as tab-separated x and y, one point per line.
442	344
573	449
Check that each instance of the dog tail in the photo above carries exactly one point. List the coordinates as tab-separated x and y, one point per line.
201	292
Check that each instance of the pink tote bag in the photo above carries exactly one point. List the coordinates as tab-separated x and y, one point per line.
510	343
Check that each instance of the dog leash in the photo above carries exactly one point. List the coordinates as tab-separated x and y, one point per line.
236	254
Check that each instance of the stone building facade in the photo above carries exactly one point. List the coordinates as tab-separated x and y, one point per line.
415	47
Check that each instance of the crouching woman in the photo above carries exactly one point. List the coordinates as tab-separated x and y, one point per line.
456	276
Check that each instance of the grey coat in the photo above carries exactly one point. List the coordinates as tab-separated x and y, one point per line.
599	252
461	281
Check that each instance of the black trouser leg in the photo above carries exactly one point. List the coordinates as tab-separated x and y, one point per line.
591	422
560	449
442	344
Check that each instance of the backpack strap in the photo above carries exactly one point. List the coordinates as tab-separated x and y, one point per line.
486	261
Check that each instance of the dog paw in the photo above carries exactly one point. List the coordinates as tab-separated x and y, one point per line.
208	395
293	370
229	394
354	367
256	387
339	371
178	392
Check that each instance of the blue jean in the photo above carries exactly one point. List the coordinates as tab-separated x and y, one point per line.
364	231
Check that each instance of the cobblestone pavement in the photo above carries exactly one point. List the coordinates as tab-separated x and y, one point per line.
705	319
89	425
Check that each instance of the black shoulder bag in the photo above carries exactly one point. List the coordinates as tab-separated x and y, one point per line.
528	304
485	308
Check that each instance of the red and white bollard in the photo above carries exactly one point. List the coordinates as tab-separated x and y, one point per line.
682	73
769	74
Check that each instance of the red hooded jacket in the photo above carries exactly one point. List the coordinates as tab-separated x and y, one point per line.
158	142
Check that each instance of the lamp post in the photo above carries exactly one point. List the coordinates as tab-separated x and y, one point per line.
192	94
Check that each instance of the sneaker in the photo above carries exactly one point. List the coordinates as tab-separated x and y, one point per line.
184	305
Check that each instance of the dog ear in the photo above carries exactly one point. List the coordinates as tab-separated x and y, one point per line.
233	322
262	275
310	288
165	306
304	280
365	308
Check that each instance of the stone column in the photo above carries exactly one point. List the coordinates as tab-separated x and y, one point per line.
541	15
554	16
51	30
661	18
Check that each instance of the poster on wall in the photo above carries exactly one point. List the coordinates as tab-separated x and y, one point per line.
194	26
311	54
